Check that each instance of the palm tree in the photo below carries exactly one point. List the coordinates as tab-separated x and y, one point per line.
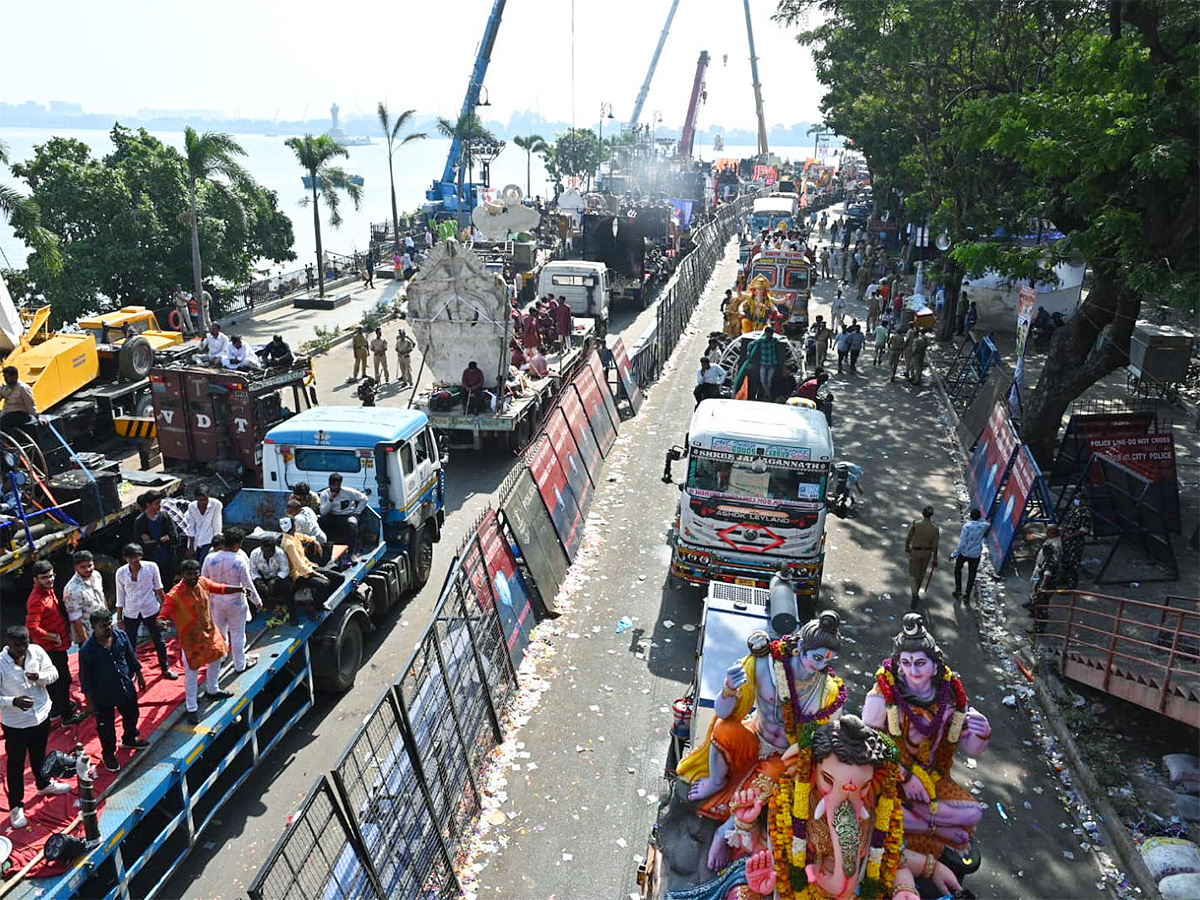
390	132
315	154
25	217
531	144
210	156
469	130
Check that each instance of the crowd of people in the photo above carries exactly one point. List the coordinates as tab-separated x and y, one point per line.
192	575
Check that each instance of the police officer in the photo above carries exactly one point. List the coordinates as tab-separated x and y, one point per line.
921	545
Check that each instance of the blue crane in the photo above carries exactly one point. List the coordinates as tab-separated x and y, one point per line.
446	189
641	97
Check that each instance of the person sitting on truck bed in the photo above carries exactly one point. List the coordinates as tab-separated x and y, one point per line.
307	523
472	382
215	346
276	353
271	571
240	356
340	508
302	492
189	605
20	409
304	574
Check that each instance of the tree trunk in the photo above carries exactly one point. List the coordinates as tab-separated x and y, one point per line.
395	215
317	232
1095	343
952	279
528	170
198	282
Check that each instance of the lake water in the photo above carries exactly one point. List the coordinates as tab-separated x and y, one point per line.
274	166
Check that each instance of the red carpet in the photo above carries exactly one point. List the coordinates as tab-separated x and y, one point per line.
48	815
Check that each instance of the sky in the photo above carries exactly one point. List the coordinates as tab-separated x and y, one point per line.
261	59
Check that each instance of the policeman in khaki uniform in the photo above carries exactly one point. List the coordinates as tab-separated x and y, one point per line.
921	545
360	344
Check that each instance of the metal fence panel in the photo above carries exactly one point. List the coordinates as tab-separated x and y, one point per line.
381	792
317	858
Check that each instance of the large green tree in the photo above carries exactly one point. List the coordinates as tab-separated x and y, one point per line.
391	133
991	117
124	224
211	157
316	154
578	152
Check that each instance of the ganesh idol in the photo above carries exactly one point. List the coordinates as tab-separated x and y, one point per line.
830	828
922	705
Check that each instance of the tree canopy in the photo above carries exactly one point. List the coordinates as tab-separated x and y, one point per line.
992	118
124	224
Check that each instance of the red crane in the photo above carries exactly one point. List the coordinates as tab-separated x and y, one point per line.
699	93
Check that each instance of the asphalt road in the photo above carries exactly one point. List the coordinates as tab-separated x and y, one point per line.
578	819
233	849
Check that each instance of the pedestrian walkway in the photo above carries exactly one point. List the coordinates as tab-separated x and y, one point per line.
583	782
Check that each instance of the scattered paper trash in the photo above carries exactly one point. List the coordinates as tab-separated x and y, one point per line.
624	624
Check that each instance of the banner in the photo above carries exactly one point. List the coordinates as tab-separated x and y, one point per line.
512	596
1152	455
602	425
526	515
601	376
569	458
1025	304
1074	451
572	406
991	459
558	497
1013	500
633	393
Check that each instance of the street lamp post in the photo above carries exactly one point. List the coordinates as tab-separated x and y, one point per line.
605	110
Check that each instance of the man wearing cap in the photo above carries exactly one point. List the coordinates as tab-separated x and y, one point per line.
921	545
231	608
360	343
340	508
46	619
139	598
404	349
189	605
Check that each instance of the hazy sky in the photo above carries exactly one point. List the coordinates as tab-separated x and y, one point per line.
270	59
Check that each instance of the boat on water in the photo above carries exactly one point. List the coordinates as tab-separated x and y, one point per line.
354	179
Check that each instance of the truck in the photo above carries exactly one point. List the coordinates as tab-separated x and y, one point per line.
768	213
628	243
461	313
156	810
789	275
753	501
585	285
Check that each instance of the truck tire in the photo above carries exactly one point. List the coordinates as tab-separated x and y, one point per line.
341	649
422	557
135	359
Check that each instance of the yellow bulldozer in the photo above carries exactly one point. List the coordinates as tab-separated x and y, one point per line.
93	380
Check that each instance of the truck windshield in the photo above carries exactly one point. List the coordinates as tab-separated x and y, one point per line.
325	459
740	480
795	278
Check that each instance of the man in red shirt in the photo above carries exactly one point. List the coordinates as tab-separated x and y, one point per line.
472	382
46	619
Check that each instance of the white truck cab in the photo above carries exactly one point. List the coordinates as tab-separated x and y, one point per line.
584	284
389	454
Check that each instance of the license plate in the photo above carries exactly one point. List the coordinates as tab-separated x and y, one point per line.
748	582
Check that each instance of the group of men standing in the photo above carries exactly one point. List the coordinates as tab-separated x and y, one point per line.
377	347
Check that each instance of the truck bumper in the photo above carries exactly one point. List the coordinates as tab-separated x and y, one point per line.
699	567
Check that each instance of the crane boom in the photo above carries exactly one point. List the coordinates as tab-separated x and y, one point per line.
641	97
758	104
688	137
482	58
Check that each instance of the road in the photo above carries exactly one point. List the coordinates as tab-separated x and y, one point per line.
236	845
580	817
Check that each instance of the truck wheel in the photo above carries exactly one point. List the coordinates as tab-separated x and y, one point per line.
422	558
348	651
135	359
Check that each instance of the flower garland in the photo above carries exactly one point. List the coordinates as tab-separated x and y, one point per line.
785	685
789	813
928	771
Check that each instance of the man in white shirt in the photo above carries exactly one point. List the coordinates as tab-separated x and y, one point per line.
340	509
205	517
25	672
239	356
305	522
139	598
83	595
215	346
709	378
271	571
231	612
839	310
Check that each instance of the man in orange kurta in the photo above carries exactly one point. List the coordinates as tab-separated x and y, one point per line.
189	605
